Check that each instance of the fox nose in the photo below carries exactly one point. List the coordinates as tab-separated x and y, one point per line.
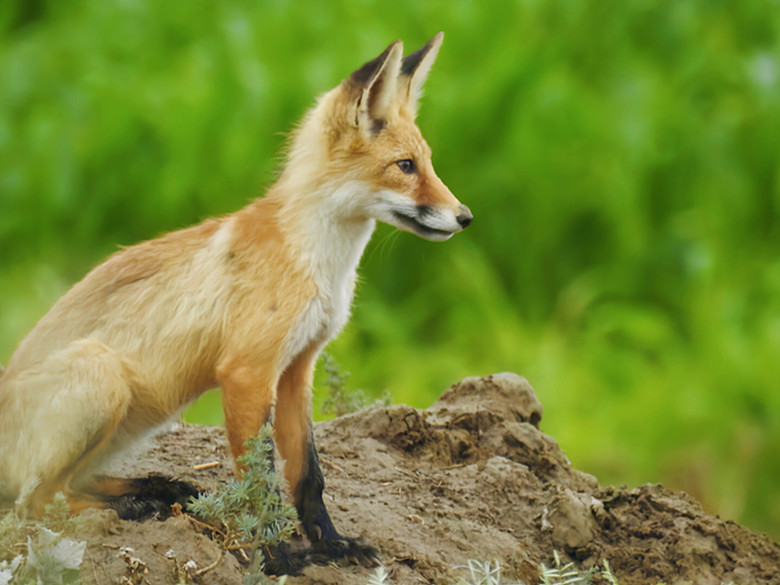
465	217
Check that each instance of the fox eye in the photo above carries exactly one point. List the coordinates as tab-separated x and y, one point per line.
407	166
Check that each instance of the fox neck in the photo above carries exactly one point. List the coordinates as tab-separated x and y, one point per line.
322	217
327	234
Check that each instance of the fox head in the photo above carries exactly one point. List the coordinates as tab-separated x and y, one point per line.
363	142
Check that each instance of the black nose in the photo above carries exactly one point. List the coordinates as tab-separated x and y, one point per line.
465	217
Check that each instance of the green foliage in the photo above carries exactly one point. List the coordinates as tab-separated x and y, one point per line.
568	573
58	518
49	558
482	573
339	399
620	158
607	574
248	513
11	534
559	573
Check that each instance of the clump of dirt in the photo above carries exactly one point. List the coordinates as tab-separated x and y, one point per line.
472	477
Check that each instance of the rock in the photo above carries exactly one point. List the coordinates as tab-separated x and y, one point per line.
573	526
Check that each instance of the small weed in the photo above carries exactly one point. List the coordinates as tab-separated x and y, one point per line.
483	573
39	552
58	517
248	514
607	574
340	399
488	573
137	571
565	574
13	534
49	558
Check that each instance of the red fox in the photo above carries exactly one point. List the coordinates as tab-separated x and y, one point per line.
245	302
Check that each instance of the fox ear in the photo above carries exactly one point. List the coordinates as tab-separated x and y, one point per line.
378	84
415	68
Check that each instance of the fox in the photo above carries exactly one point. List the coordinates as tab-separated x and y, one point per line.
245	302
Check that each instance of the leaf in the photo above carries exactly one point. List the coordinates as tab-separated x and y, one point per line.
380	576
7	569
69	553
51	556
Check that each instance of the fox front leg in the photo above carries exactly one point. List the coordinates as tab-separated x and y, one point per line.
295	439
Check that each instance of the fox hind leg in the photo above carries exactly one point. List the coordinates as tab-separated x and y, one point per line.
71	406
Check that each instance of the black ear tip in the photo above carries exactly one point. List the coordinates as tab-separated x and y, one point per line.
411	61
366	73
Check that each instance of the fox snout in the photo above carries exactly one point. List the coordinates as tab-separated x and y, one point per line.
463	216
432	222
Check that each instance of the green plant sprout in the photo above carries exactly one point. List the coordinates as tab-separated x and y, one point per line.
565	574
482	573
247	514
341	400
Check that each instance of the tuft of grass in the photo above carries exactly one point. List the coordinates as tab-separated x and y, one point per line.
565	573
607	574
559	573
482	573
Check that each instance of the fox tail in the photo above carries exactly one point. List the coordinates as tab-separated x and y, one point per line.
138	498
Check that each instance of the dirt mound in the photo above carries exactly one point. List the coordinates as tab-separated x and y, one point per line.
472	477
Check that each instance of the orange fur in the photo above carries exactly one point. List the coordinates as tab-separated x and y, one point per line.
292	418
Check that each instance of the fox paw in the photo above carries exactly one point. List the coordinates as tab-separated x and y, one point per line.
282	560
344	550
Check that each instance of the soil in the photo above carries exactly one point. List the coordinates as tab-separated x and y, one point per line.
472	477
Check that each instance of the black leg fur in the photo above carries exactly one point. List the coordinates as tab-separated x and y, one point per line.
282	559
327	544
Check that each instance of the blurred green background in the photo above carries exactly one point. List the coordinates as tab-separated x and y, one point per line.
620	157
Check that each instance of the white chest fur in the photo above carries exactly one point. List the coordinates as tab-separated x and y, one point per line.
331	251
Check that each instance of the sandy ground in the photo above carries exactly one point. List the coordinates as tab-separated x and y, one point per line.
472	477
